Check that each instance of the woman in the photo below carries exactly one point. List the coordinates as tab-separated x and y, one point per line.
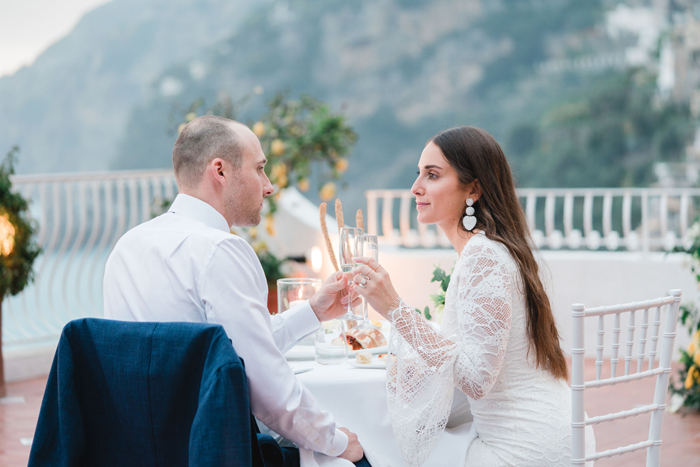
498	342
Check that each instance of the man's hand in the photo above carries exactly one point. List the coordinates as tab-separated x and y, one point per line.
354	451
332	300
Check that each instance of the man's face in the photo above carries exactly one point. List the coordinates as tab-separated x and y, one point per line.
247	188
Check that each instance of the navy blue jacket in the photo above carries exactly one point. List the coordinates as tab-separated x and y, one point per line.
145	394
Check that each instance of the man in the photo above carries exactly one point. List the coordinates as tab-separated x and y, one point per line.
186	266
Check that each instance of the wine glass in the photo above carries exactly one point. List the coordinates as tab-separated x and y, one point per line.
350	248
369	248
331	344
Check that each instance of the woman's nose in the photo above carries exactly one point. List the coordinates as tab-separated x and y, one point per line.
416	188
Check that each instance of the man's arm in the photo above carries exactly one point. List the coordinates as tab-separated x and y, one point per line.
232	289
293	325
290	327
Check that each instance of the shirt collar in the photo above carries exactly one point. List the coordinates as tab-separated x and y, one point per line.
199	210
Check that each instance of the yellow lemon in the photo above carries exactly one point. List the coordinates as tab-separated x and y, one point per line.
259	129
697	359
692	348
270	225
190	116
342	165
696	336
303	185
181	127
327	191
277	147
282	181
253	233
690	378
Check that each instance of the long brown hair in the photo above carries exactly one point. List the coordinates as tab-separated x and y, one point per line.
476	155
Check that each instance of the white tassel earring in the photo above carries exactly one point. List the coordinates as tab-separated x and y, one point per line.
469	220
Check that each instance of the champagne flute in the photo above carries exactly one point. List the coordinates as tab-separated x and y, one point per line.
350	240
369	248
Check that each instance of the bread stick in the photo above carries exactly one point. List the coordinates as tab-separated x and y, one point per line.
324	229
339	214
359	221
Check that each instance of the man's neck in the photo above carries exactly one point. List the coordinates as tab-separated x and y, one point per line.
207	197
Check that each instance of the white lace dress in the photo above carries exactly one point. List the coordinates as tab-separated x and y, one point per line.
522	414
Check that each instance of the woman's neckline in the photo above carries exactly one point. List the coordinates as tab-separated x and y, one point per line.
480	232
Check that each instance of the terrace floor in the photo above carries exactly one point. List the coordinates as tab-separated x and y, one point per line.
681	432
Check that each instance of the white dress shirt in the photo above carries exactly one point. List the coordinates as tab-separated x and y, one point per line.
185	265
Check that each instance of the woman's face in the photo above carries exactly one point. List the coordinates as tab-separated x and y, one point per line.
440	197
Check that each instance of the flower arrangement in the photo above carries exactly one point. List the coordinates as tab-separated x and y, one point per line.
438	299
18	246
686	391
295	135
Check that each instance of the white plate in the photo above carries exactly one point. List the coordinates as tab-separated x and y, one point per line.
375	363
308	352
373	350
301	352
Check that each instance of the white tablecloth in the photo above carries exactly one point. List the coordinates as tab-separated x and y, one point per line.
357	399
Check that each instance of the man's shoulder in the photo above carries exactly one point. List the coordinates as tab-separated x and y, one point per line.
171	224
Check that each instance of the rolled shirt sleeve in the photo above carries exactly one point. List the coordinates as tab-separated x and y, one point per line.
233	289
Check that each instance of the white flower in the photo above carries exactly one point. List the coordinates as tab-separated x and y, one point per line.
676	403
437	314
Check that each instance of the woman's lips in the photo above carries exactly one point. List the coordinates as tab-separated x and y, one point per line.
421	205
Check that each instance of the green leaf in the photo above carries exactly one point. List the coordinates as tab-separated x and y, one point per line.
426	312
438	275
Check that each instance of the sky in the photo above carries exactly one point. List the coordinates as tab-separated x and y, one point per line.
28	27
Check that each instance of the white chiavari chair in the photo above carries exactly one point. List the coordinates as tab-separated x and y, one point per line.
653	309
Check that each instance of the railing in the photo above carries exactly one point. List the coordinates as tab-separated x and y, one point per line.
634	219
80	217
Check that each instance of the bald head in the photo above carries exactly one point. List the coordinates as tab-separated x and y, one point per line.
201	141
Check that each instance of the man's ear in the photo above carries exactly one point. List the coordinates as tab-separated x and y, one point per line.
217	168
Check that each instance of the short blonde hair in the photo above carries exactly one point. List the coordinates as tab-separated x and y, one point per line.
201	141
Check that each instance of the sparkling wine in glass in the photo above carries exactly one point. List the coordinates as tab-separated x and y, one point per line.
350	245
368	248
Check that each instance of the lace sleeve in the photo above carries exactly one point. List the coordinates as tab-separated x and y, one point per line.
428	364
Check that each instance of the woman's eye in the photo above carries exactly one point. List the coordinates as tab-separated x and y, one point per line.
432	176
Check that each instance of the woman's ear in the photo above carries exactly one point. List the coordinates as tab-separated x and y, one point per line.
475	190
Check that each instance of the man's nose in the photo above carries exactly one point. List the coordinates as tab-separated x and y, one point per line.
268	189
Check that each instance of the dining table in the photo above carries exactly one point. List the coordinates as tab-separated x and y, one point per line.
356	397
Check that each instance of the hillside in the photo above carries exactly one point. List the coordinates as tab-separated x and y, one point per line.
68	110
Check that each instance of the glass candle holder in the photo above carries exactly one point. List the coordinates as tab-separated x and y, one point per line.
293	291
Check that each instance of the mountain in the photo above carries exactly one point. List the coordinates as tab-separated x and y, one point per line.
68	110
402	70
111	94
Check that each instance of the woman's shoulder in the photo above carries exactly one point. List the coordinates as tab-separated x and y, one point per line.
480	248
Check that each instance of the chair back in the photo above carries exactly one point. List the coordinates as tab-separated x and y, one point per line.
157	394
646	366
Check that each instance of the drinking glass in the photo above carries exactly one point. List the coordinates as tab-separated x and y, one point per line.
293	291
369	248
350	246
331	346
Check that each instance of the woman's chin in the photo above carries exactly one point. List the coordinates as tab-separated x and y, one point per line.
423	219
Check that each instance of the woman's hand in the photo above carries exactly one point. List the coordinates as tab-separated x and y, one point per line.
373	282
